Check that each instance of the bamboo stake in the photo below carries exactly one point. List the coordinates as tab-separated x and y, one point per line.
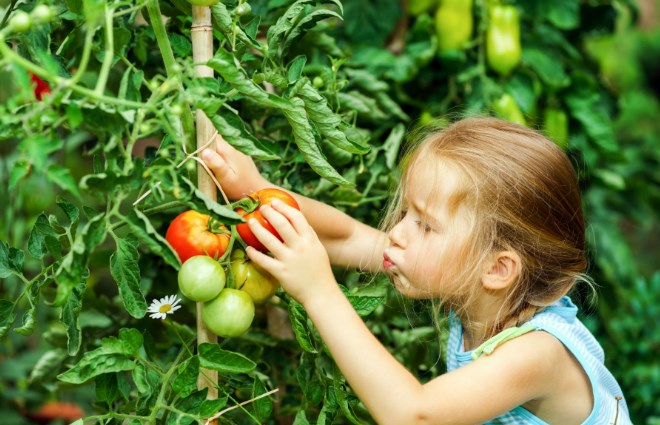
202	42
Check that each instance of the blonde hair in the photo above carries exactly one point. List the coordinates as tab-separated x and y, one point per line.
521	193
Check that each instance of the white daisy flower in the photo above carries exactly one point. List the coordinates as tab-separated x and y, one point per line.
159	309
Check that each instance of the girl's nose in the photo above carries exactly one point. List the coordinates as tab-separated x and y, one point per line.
396	235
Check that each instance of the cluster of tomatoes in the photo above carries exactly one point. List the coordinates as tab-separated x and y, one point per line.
202	244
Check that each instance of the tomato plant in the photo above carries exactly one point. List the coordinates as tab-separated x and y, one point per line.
201	278
257	199
193	233
321	96
230	314
250	278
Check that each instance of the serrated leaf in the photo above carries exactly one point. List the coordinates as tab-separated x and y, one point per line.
62	177
298	317
125	269
28	317
11	260
7	316
49	363
211	356
185	382
69	209
228	215
142	228
139	375
263	407
93	364
306	142
69	317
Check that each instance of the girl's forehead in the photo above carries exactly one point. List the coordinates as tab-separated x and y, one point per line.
432	179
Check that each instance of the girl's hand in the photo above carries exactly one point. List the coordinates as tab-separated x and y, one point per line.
299	261
234	170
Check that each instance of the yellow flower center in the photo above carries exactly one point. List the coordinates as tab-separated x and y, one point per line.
165	308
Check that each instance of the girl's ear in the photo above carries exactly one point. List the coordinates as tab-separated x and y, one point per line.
503	271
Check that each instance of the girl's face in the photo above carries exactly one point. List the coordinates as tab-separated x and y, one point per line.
425	247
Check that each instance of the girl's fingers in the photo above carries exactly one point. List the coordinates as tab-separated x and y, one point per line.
280	223
217	164
270	241
294	216
262	260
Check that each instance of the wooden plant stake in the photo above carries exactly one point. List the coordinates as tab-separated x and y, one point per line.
202	43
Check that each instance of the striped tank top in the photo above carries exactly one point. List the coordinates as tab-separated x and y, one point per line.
560	321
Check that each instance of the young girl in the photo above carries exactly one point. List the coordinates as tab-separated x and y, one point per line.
488	220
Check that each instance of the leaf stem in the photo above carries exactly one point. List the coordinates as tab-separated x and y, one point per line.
109	55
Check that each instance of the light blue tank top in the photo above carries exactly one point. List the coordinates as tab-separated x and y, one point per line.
560	321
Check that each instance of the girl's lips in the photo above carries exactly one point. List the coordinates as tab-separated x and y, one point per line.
388	264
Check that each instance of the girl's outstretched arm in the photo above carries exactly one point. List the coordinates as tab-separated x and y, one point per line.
516	373
349	242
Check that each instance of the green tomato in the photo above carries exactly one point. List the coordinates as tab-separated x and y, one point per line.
229	314
250	278
203	2
555	126
318	82
201	278
243	9
42	14
20	22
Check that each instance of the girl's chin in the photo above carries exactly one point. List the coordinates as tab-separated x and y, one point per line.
405	288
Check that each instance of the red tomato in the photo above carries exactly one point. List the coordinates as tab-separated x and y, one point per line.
262	197
57	410
41	87
190	234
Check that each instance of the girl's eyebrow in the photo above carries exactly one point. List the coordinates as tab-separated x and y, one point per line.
423	211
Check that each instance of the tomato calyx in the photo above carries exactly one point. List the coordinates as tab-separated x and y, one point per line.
218	227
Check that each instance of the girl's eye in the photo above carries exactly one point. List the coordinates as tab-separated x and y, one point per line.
423	226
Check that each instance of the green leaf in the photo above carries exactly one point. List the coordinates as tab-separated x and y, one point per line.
114	355
62	177
20	170
69	209
587	107
190	405
28	317
142	228
213	357
209	408
295	68
125	270
185	382
276	33
306	142
327	122
47	365
392	144
93	364
69	317
298	317
7	316
564	14
548	68
300	418
228	215
263	407
232	129
139	375
11	260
